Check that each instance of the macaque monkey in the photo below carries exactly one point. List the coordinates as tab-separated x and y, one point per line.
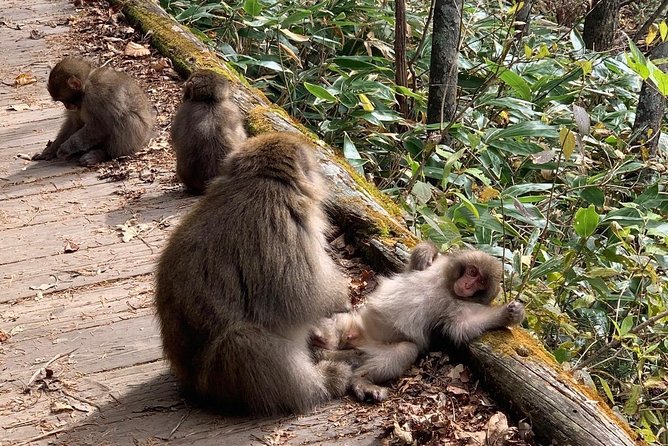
245	276
207	126
451	294
108	115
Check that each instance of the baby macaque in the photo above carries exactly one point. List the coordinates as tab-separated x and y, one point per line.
451	294
207	126
108	115
245	276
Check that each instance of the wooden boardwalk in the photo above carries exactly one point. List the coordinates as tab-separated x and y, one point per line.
76	299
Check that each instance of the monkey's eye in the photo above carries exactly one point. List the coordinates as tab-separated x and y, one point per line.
471	271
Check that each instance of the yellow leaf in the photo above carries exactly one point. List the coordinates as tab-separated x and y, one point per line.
528	51
294	36
663	30
651	34
24	79
290	53
543	51
488	193
133	49
514	8
586	66
567	142
366	103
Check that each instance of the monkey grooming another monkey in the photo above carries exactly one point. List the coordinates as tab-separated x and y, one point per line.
108	115
207	126
451	293
245	276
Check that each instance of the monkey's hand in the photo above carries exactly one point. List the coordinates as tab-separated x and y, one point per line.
514	313
48	153
365	390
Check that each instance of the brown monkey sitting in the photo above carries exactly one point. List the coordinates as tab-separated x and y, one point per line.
243	278
452	293
207	126
108	114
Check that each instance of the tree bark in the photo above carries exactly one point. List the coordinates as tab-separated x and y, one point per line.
442	101
600	25
524	17
650	111
374	223
400	70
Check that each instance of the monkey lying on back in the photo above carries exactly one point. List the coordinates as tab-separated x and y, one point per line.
207	126
108	115
450	293
243	278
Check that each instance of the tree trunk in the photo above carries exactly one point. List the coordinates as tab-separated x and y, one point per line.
372	221
442	102
523	16
400	71
600	25
649	114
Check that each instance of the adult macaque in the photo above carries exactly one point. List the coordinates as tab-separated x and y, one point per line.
451	295
108	115
245	276
207	126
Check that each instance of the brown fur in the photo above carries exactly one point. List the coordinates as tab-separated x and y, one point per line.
108	115
400	316
244	277
207	126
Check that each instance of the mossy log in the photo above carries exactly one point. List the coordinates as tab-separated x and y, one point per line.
516	367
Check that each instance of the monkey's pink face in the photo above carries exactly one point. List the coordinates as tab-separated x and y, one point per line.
470	282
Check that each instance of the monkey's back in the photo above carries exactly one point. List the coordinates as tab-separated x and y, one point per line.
203	133
119	107
249	257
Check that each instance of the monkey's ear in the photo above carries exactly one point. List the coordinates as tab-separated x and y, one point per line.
74	83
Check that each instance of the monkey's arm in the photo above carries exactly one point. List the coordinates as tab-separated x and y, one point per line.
473	319
422	256
82	140
69	127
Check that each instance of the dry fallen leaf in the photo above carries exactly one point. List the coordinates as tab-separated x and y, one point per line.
70	246
58	406
4	336
42	287
24	79
18	107
497	428
403	434
133	49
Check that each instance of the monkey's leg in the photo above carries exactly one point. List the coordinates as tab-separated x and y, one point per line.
69	127
94	156
267	373
473	319
383	362
351	356
84	139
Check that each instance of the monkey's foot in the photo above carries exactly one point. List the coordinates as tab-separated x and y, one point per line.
337	376
515	312
93	157
364	390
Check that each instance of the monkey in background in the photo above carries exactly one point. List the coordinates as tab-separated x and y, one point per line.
450	293
244	277
108	114
207	126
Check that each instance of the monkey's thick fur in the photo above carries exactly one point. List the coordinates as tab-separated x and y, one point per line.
206	127
243	278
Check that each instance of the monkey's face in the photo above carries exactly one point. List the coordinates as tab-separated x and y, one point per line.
66	82
474	276
71	98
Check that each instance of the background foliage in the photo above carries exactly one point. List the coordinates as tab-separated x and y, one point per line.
540	167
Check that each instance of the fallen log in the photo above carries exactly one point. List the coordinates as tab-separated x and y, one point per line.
517	369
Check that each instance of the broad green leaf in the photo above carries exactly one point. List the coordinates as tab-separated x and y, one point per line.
567	142
606	389
295	18
585	222
252	7
593	195
319	92
626	326
517	83
631	406
421	191
528	129
661	80
470	206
